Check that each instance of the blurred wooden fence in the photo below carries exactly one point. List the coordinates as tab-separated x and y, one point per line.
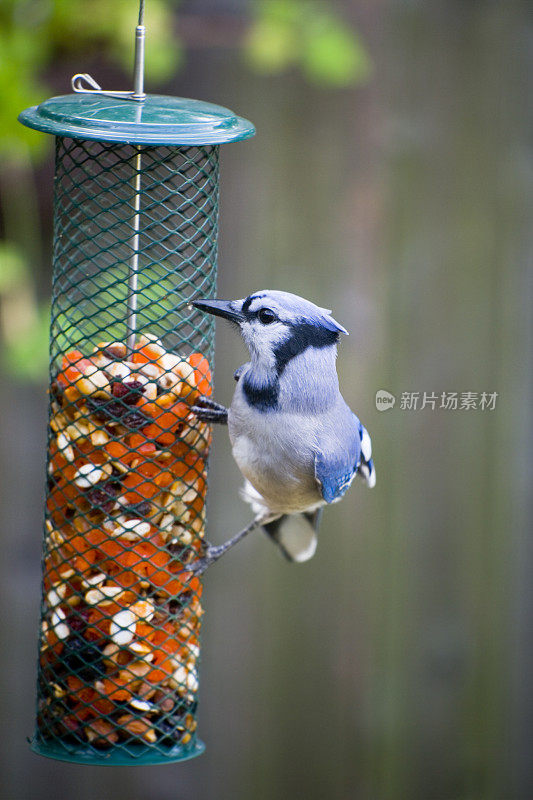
396	664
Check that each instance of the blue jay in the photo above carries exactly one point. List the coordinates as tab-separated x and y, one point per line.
294	439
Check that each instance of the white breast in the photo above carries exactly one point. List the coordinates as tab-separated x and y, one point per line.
274	451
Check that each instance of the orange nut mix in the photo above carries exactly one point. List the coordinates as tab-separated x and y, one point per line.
125	518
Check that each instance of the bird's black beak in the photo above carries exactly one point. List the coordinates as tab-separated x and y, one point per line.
220	308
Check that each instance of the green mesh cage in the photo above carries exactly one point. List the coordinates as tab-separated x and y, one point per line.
135	239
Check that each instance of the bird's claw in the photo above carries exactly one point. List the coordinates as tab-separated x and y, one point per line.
207	410
213	552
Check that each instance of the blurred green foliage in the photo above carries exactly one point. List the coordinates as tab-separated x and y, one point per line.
24	322
36	35
307	35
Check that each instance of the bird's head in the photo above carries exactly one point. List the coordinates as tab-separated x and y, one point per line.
277	326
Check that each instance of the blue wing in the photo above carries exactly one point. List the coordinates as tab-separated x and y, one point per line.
342	456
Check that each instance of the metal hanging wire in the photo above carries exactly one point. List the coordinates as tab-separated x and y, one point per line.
84	83
134	260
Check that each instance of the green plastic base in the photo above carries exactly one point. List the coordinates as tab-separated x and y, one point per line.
116	757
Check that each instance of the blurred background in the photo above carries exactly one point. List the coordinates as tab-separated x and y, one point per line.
391	180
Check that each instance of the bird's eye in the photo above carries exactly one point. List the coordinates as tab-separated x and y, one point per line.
266	316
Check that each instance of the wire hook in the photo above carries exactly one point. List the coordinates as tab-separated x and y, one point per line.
83	83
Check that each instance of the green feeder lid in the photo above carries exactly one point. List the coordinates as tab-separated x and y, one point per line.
157	120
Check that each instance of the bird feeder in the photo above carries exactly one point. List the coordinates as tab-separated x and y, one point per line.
135	239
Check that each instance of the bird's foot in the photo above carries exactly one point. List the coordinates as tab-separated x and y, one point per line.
207	410
214	552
